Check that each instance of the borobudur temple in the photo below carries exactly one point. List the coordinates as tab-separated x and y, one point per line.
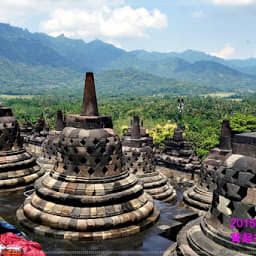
88	195
139	160
18	169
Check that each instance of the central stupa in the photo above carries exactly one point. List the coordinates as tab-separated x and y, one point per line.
88	195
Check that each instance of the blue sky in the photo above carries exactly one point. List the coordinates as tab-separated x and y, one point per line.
225	28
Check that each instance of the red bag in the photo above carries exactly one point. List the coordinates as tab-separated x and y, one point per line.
30	248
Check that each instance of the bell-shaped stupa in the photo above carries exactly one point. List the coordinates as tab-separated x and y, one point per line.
199	197
18	169
33	143
229	227
88	195
139	160
178	154
25	130
148	140
48	157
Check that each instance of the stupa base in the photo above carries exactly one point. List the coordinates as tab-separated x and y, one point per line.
22	188
198	199
88	236
18	172
156	184
46	166
17	190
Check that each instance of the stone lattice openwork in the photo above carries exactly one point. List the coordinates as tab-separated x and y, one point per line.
139	160
49	153
33	143
178	154
199	197
234	198
88	195
18	170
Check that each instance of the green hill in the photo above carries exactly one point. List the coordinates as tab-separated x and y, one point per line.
36	63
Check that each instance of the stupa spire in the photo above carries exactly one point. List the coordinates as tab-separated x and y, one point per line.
90	107
136	128
59	121
225	139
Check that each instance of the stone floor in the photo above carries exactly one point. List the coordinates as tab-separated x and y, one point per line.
147	243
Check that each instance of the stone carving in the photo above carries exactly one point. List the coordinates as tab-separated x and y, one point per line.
199	197
18	170
88	195
49	153
139	160
233	198
178	154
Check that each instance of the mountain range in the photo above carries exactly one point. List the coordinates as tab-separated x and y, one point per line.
36	63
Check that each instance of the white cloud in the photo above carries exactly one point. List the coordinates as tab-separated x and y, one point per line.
198	14
233	2
86	19
104	22
225	53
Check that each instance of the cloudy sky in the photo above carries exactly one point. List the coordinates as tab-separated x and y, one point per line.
225	28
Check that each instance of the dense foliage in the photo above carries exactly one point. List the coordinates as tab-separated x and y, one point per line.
201	119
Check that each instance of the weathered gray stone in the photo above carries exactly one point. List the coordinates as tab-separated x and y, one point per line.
33	143
178	154
18	169
139	160
232	199
199	197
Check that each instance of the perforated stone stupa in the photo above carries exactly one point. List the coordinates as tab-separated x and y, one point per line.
139	160
234	198
25	130
143	134
199	197
18	170
88	195
178	154
48	157
33	143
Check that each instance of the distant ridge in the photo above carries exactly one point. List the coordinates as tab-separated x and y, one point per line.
31	60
